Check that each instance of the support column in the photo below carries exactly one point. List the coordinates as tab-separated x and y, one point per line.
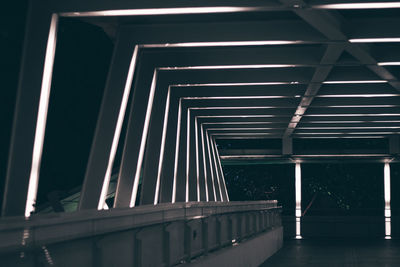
155	145
200	171
30	115
388	215
215	169
206	165
170	151
298	199
109	125
221	171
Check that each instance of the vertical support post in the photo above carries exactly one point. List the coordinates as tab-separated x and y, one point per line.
298	200
109	124
221	171
30	116
214	168
388	223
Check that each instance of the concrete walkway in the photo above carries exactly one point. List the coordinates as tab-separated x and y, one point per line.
329	253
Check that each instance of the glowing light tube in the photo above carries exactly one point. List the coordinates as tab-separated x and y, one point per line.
388	226
160	11
370	5
41	117
143	141
118	128
298	199
178	135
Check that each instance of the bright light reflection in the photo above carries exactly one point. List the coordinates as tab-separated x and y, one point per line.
370	5
223	67
41	117
395	63
354	82
160	11
359	95
298	199
178	135
237	97
375	40
233	84
387	200
204	162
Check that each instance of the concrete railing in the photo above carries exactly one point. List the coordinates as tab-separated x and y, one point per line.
161	235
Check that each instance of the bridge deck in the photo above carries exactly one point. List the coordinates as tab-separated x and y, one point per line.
329	253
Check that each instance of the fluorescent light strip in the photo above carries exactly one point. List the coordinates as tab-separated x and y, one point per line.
187	153
236	108
238	97
358	106
178	135
161	159
197	158
388	215
375	40
233	84
161	11
245	129
368	5
239	123
243	116
204	162
143	141
353	115
216	168
360	95
392	63
350	127
41	117
230	43
118	128
224	67
355	133
221	170
298	199
250	156
334	122
341	137
211	168
354	82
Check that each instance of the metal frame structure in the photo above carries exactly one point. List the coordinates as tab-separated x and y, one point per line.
331	83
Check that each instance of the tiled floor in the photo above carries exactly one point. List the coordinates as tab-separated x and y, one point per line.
343	253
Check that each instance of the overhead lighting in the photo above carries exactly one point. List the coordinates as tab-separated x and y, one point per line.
231	84
354	82
236	97
360	95
391	63
256	66
375	40
372	5
159	11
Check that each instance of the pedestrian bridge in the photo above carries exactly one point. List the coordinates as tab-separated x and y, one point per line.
188	86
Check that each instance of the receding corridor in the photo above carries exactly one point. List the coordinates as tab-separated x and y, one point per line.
329	253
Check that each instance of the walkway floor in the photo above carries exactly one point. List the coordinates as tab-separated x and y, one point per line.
343	253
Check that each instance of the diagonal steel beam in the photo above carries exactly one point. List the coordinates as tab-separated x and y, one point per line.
329	24
331	55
